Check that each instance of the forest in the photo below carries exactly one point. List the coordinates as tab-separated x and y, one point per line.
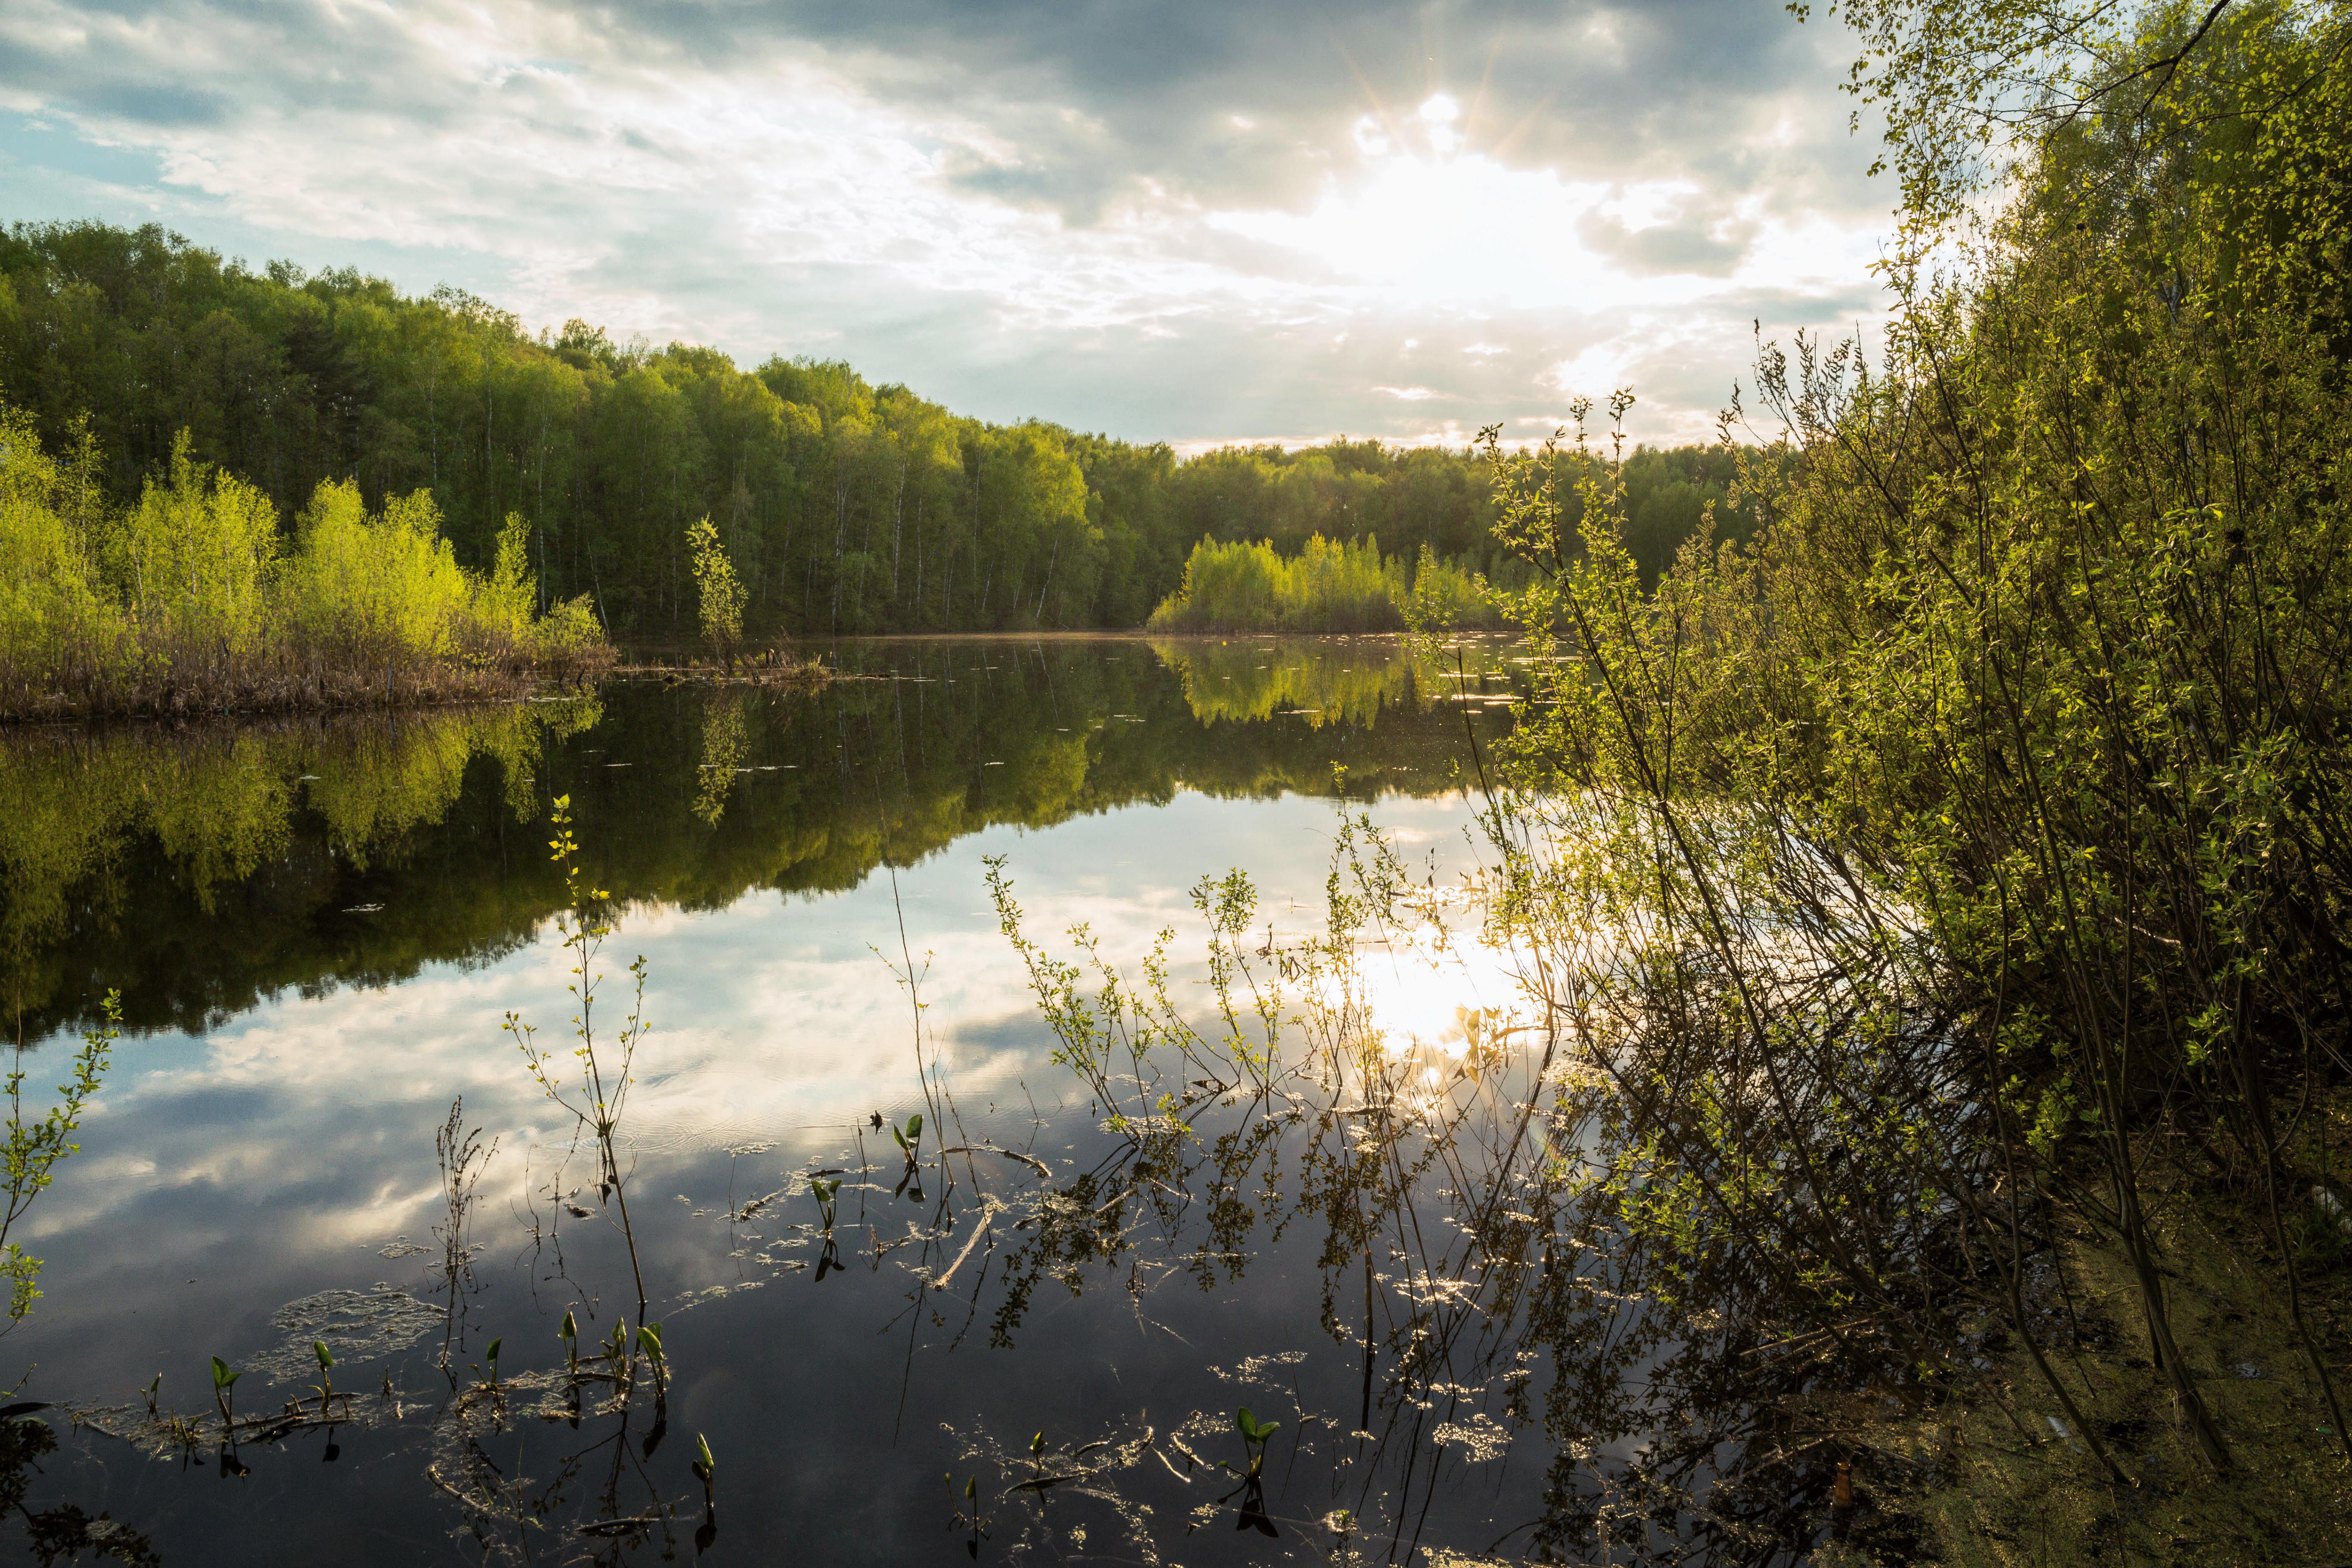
845	507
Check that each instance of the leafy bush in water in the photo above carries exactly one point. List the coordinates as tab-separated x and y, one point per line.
1328	586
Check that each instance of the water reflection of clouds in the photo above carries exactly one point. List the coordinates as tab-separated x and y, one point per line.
775	1019
280	1154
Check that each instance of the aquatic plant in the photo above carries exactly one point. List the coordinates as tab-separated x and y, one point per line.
825	1192
1254	1434
223	1385
909	1137
463	1158
326	1384
649	1343
591	1081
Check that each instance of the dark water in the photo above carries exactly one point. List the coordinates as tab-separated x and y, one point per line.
317	930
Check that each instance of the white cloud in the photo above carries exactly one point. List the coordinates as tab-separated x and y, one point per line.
867	195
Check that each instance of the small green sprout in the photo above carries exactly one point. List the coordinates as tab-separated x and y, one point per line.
705	1468
910	1136
1253	1435
826	1193
224	1382
569	1332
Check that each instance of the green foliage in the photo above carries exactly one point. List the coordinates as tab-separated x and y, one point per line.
909	1137
2015	722
718	592
1327	587
35	1147
826	1191
53	601
189	598
841	506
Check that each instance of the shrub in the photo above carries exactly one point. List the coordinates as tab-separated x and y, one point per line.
188	599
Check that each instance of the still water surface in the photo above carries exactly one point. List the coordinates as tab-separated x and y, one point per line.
318	929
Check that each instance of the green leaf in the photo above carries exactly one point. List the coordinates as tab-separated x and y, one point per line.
491	1354
326	1357
568	1330
221	1376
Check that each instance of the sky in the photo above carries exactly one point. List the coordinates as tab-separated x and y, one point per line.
1195	222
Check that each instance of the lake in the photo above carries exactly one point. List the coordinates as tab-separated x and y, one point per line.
1025	1331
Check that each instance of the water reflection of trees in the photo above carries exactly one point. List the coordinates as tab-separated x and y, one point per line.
1324	680
182	856
201	869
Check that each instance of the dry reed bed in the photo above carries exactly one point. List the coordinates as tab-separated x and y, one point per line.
283	682
774	669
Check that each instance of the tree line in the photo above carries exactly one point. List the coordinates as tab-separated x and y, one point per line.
842	506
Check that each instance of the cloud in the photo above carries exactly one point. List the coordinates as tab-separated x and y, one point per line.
1180	221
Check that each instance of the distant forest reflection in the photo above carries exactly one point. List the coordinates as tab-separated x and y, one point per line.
201	869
